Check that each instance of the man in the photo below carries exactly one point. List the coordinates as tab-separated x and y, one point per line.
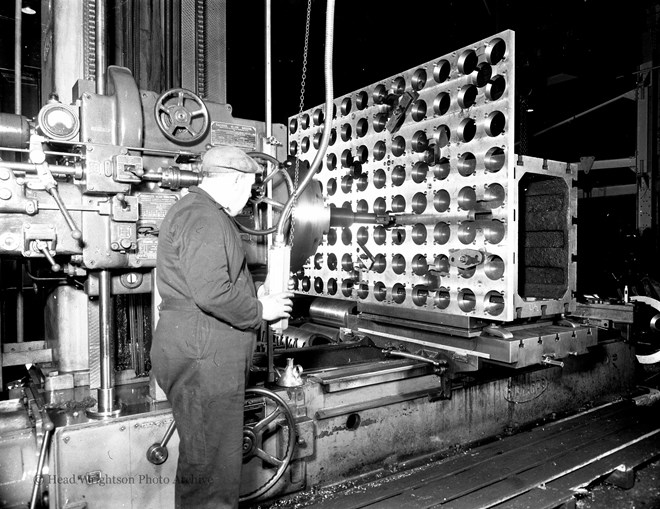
205	338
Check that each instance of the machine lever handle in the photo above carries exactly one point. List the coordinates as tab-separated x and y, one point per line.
75	232
43	247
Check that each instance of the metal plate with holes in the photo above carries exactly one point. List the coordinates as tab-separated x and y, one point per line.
434	145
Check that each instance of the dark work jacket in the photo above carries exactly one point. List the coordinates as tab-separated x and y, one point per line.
201	261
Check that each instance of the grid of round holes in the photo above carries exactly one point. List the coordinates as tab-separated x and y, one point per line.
489	83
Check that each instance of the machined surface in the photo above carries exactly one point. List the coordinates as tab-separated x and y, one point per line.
434	147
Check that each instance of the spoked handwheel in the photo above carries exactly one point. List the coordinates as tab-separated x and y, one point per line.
181	116
269	438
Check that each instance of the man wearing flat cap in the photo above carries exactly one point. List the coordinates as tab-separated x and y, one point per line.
203	345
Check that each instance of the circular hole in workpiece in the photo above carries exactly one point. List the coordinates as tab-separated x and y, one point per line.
467	96
441	233
379	178
332	286
398	175
441	103
318	116
346	105
482	74
318	261
346	132
346	159
466	300
331	162
362	127
347	287
467	198
467	231
419	141
494	231
398	146
363	235
332	261
346	236
420	295
494	303
467	128
316	141
398	264
418	110
379	122
347	262
467	273
380	235
362	182
398	236
494	195
419	233
418	79
398	293
441	71
331	187
318	285
362	154
442	135
441	264
304	121
441	200
362	100
495	88
362	206
379	94
419	203
379	205
441	299
306	284
293	125
441	170
380	263
379	151
494	159
467	164
380	292
495	123
332	237
304	145
420	265
347	184
363	291
467	61
494	267
293	148
495	50
398	203
398	86
419	171
353	422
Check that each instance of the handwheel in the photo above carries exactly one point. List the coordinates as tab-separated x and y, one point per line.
269	438
181	116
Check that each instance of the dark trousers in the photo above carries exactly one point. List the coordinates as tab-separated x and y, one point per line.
202	365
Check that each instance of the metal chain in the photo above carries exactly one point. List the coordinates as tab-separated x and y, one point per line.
296	174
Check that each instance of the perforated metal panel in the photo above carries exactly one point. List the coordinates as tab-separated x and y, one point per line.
448	172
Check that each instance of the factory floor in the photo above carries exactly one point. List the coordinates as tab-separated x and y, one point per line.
538	468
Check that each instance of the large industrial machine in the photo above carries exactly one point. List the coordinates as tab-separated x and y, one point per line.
435	272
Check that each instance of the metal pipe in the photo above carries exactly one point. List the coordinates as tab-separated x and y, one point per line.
18	100
269	116
106	392
100	49
18	22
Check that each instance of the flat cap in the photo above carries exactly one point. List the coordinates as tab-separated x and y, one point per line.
223	159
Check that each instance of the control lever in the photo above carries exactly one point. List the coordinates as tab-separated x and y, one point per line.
157	453
46	177
40	245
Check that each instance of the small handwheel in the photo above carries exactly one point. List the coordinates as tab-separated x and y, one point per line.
181	116
269	438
